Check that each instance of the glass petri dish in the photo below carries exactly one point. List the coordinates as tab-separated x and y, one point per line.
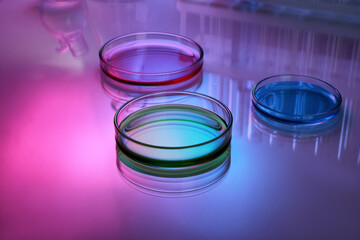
296	99
173	182
151	58
173	129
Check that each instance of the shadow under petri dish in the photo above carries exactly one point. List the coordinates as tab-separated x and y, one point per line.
121	92
173	182
181	129
296	99
298	131
151	58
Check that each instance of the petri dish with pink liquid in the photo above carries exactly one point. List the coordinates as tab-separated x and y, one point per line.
151	58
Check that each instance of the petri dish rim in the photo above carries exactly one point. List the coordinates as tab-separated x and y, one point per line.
199	60
228	128
335	92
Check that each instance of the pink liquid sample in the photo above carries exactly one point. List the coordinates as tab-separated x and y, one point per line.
151	57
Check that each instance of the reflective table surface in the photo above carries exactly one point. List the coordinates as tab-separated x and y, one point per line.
59	172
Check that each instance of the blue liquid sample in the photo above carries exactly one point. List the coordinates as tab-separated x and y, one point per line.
296	101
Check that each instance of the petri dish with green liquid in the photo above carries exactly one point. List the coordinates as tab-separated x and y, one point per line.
173	129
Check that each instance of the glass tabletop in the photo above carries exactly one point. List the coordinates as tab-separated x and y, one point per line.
59	171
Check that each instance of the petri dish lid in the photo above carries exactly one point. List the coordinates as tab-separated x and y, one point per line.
296	99
151	58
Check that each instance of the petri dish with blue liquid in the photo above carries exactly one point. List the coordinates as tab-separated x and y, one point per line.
173	128
296	99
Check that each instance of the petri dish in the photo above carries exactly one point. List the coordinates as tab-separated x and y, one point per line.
173	182
296	99
151	58
173	129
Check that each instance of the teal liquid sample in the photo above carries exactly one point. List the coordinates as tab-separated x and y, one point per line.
173	125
